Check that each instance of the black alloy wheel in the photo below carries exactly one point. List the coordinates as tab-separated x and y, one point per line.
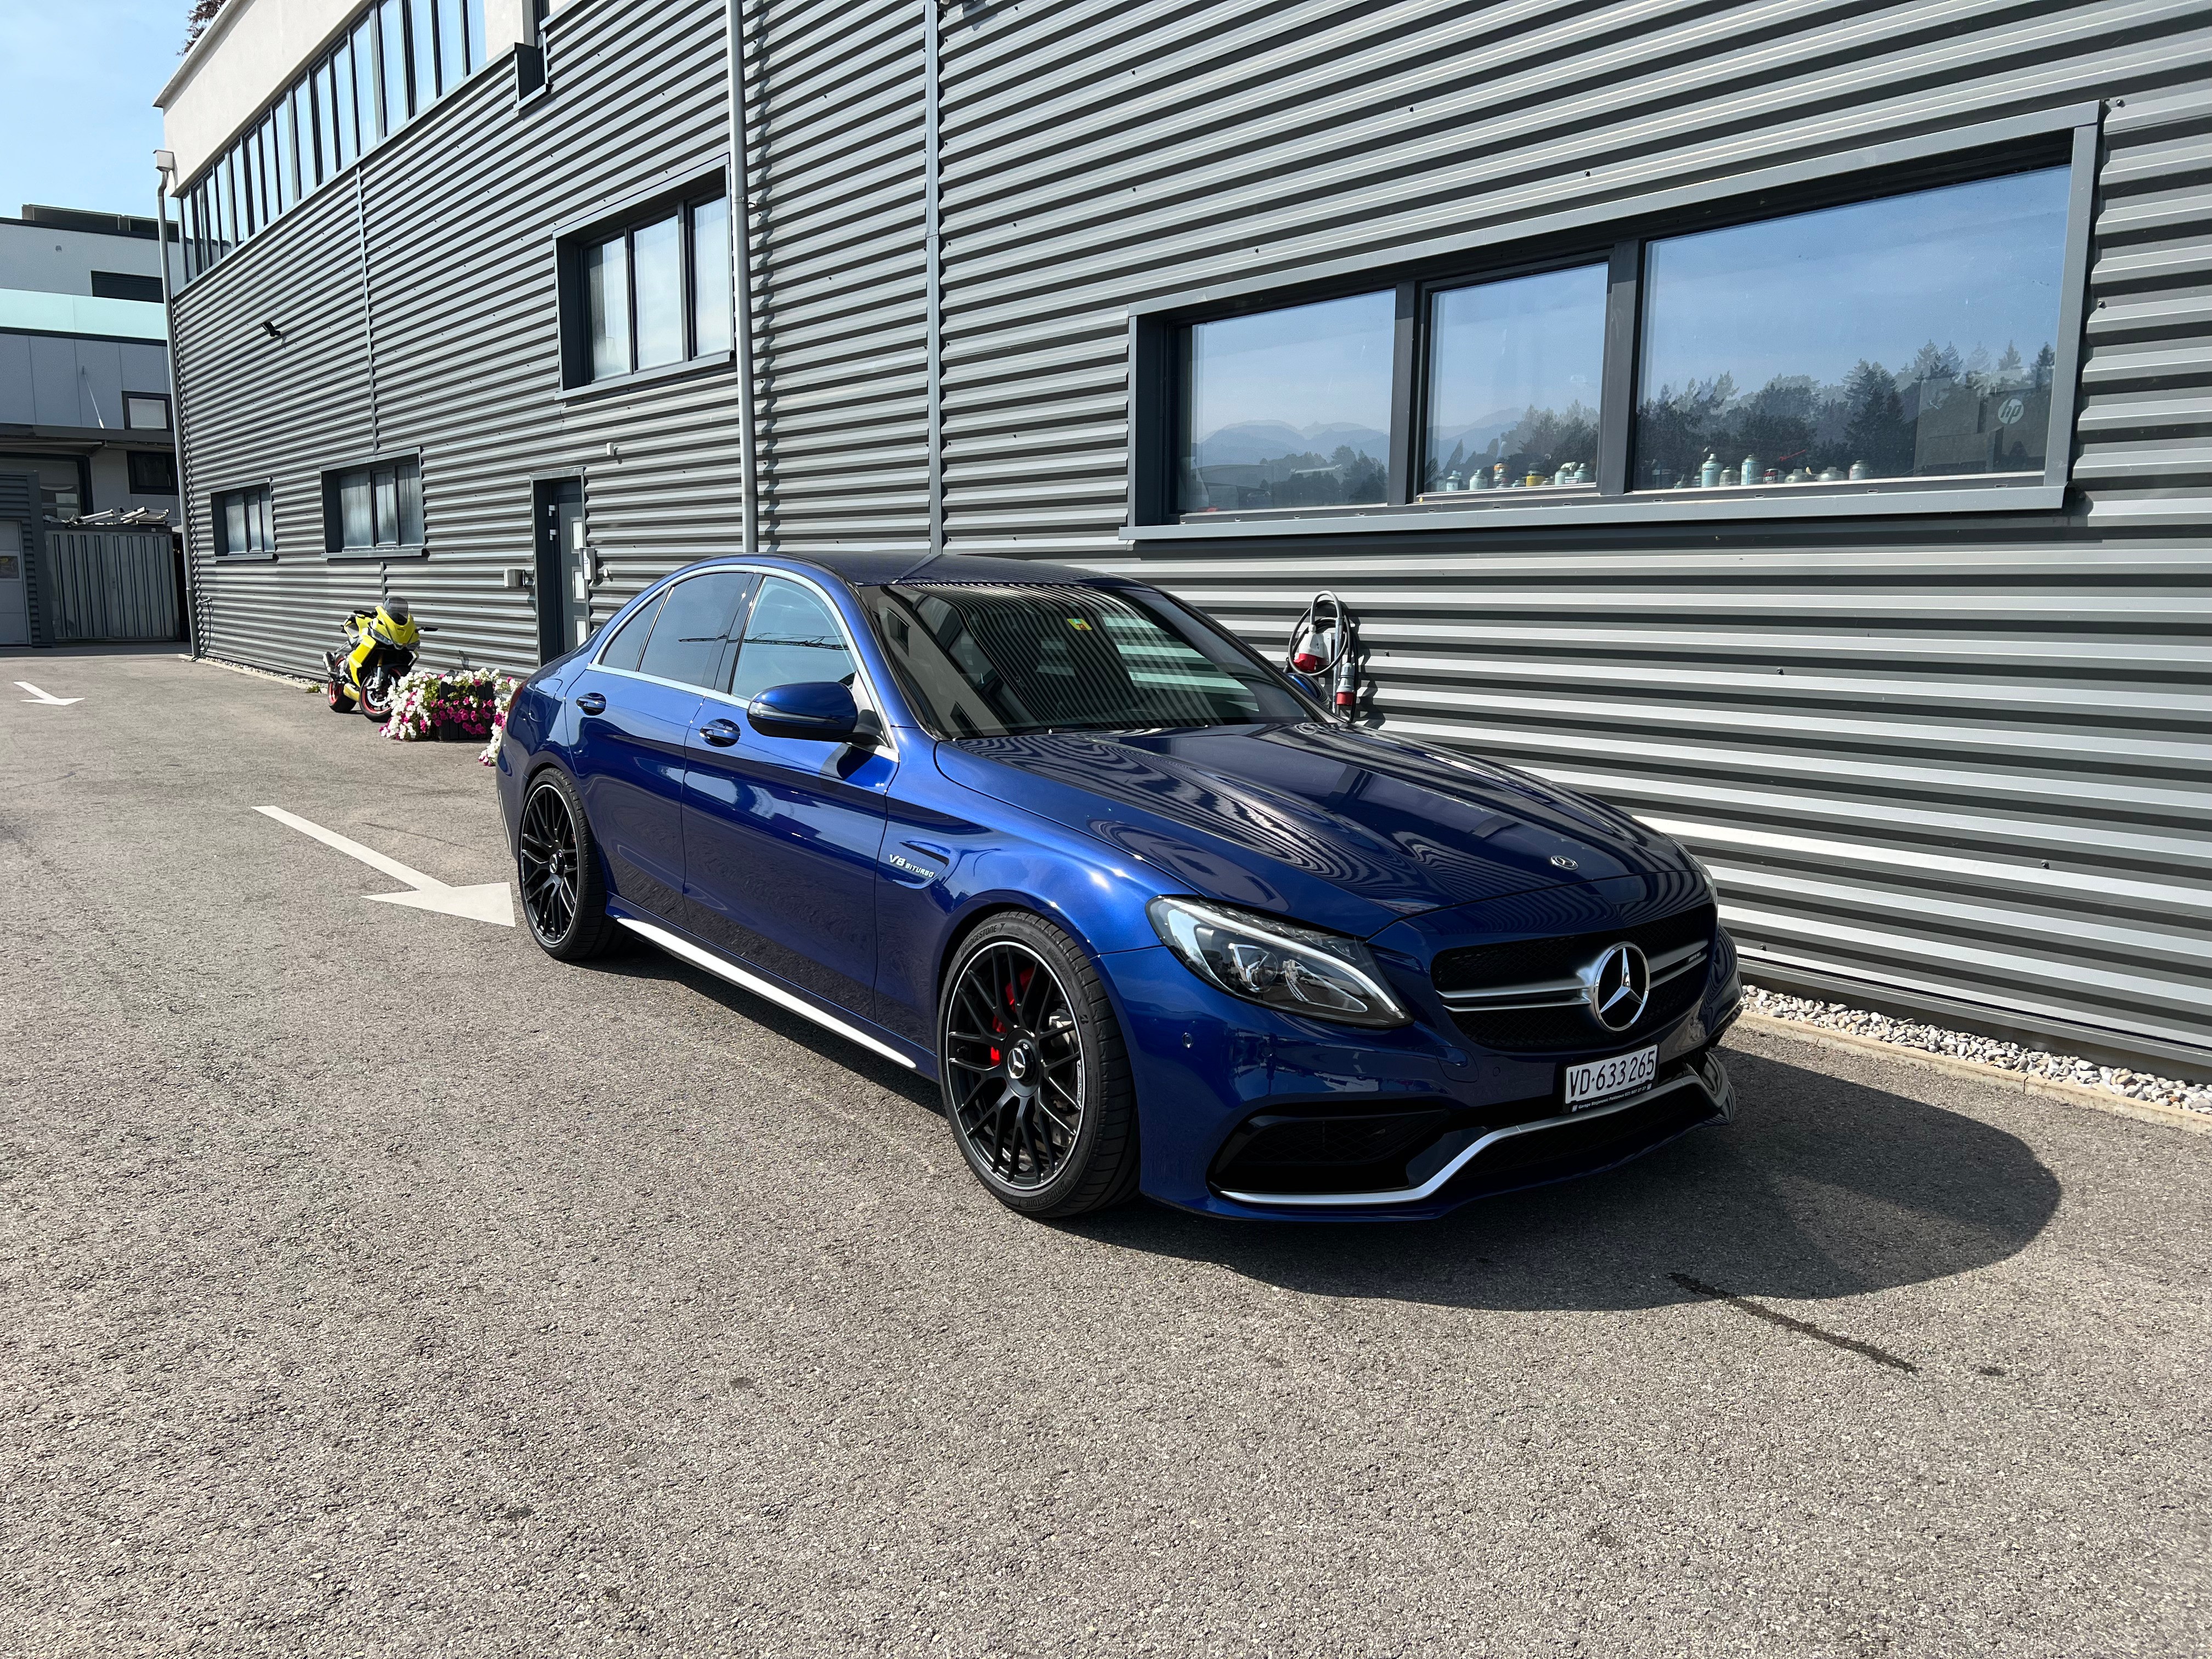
1035	1077
557	869
335	694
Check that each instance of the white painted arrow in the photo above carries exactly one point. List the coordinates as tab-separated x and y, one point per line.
490	901
47	697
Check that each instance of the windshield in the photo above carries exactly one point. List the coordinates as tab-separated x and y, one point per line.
993	661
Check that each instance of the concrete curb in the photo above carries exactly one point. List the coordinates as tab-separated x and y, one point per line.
2143	1111
298	681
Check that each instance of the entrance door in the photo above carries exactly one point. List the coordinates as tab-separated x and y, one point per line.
14	604
564	567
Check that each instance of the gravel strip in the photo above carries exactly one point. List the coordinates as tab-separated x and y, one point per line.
1988	1051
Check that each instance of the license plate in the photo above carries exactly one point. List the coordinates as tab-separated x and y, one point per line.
1602	1079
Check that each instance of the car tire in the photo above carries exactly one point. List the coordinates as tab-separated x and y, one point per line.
1035	1077
557	874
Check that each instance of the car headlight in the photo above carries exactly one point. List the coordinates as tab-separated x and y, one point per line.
1300	970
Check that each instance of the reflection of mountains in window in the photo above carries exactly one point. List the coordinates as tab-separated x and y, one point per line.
1943	413
1552	447
1263	464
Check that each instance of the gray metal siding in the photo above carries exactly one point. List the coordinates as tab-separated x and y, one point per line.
1956	762
1949	764
416	300
19	501
834	107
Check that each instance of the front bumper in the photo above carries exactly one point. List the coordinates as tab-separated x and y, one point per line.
1479	1161
1208	1067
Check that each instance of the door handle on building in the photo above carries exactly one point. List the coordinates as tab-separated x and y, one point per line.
720	733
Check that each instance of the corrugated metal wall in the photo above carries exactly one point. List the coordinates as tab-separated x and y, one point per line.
834	112
1956	762
109	585
416	301
19	502
1960	764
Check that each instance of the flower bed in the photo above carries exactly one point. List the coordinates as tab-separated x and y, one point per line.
461	706
507	689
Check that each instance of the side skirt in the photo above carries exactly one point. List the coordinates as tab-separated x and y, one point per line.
699	958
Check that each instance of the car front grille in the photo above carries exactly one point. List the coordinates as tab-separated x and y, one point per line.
1526	997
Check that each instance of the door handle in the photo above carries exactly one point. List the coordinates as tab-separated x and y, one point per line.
720	733
592	703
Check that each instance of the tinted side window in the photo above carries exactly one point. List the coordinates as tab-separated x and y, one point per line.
791	636
691	641
629	643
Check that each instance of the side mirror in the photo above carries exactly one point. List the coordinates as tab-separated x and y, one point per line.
822	710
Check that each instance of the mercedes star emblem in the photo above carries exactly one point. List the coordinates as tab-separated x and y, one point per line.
1618	984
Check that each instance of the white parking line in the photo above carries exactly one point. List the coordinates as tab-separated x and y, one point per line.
47	697
491	901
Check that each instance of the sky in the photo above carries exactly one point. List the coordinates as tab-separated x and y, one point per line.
1977	264
78	127
1323	364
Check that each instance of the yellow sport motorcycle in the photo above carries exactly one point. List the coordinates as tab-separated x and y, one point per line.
380	646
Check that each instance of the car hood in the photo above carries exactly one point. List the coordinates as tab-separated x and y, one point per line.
1342	828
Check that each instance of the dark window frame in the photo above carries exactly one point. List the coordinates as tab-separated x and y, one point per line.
218	517
169	411
1616	235
332	481
139	461
570	242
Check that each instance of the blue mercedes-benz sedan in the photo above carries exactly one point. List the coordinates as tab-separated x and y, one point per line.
1151	917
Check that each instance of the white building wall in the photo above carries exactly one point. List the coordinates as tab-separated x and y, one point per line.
253	51
46	259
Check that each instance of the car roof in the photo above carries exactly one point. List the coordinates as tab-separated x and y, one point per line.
875	568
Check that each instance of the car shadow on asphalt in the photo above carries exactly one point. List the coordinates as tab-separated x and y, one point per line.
1821	1188
634	960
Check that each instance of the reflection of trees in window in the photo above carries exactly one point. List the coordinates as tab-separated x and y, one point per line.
1939	413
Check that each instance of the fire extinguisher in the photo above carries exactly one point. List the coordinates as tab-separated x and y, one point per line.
1325	645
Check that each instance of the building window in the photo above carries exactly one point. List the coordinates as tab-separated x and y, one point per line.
650	294
400	57
125	285
146	412
153	472
374	508
1919	337
1909	337
243	522
1514	372
1288	408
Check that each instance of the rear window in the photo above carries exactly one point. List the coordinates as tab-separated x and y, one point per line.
629	643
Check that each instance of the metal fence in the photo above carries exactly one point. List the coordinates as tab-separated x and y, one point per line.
109	585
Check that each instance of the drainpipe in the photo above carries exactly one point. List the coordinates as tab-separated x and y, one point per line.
165	162
741	266
934	272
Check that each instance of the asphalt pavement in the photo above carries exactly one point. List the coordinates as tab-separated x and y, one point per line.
370	1284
